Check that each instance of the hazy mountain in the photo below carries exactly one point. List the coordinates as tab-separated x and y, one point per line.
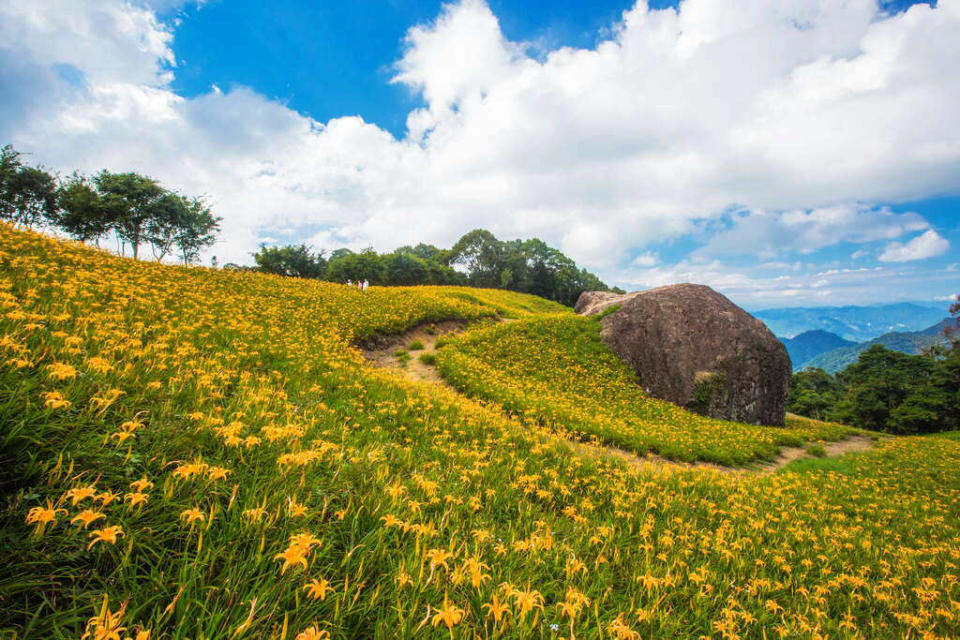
853	322
810	344
912	342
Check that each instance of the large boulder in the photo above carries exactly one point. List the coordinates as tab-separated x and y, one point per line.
692	346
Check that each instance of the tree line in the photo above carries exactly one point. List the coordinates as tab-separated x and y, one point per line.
137	210
886	390
477	259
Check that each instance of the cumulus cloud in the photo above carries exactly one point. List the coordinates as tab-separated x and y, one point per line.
768	234
926	245
796	285
787	109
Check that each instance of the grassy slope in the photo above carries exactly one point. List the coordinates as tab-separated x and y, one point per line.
254	375
556	370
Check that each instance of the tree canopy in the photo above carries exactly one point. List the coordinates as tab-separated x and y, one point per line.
137	209
477	259
887	390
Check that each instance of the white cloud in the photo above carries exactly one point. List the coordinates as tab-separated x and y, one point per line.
797	106
926	245
771	287
647	259
769	234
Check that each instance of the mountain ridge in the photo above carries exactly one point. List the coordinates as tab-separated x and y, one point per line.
910	342
811	344
853	323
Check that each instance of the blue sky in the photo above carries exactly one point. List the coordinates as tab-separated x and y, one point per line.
309	54
791	153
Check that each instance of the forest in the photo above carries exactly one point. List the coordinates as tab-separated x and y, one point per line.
478	259
885	390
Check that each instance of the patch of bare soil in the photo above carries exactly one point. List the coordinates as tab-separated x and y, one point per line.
652	462
393	352
787	455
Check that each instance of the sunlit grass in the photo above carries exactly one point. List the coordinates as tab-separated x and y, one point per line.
196	454
556	370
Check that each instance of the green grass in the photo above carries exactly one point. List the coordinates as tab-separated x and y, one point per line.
606	312
949	435
428	359
254	376
816	450
555	370
416	345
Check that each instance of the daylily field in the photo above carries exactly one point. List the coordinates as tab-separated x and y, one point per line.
191	453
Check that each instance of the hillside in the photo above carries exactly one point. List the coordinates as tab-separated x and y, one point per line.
910	342
856	323
190	453
810	344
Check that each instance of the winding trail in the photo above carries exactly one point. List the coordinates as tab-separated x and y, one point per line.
382	352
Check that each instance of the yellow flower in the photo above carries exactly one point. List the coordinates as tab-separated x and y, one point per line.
41	516
477	576
312	633
295	509
107	534
99	365
106	497
318	589
54	400
106	624
496	608
79	494
292	556
448	614
61	371
255	514
192	515
142	484
87	516
438	558
527	601
136	498
217	473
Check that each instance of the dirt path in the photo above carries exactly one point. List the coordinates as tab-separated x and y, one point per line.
853	444
393	352
653	462
385	352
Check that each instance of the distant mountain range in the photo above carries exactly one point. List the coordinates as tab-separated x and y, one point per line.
854	323
832	353
811	344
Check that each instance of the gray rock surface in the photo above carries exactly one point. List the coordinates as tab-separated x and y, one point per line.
692	346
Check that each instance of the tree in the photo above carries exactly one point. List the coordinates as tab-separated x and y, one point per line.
366	265
165	224
185	223
480	254
82	212
813	393
405	269
134	201
199	230
293	260
28	195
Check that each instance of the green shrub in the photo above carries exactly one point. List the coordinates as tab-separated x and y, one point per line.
416	345
428	359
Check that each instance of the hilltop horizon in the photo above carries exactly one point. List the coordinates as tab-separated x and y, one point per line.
771	151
